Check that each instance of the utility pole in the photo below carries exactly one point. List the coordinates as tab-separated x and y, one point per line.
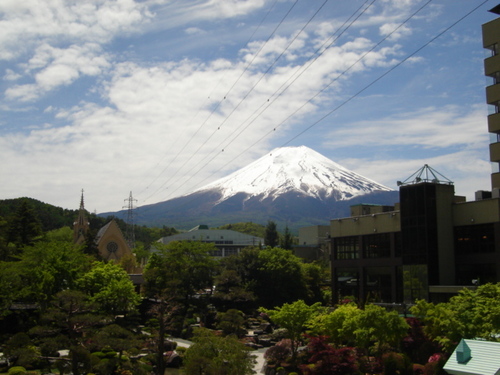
130	234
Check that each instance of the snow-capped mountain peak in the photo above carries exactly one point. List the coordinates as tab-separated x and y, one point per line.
294	169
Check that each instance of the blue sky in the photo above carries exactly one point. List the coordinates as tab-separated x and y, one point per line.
160	97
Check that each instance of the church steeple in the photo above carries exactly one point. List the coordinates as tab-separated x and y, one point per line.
81	225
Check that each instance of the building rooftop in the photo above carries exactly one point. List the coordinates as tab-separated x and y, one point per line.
474	357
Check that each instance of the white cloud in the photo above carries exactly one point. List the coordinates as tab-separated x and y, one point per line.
55	21
395	31
428	127
195	31
56	67
10	75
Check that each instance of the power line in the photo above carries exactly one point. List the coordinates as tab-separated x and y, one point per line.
318	52
225	96
361	90
199	110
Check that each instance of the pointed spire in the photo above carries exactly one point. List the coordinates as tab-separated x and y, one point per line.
82	206
81	225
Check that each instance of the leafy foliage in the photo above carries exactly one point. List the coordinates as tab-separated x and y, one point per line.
271	237
110	287
470	314
215	355
294	317
187	266
50	267
279	277
24	227
252	229
231	322
351	326
286	240
324	359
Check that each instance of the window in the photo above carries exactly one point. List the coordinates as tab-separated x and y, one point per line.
230	251
217	253
346	248
377	246
475	239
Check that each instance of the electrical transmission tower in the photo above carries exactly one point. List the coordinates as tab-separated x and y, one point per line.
130	234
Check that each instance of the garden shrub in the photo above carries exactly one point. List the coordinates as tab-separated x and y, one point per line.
17	370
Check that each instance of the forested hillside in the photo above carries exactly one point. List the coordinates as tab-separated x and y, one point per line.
46	217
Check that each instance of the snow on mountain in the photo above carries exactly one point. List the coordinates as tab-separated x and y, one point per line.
294	169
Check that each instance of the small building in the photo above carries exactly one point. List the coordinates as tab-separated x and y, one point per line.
228	242
474	357
110	240
313	243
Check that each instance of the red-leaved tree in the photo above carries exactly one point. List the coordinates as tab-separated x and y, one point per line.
324	359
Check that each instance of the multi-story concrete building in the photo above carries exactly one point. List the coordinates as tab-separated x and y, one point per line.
491	41
432	243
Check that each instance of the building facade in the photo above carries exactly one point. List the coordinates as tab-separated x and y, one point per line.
491	41
110	241
429	246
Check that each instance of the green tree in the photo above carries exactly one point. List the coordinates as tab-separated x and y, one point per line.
71	314
110	287
117	338
470	314
294	318
286	241
64	234
50	267
214	355
172	277
361	328
230	291
186	265
271	237
314	276
164	310
231	322
12	286
24	228
279	278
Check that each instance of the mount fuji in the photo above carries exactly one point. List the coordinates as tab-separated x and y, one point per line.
293	186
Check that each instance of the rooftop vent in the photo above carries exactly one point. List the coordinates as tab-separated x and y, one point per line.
482	194
463	352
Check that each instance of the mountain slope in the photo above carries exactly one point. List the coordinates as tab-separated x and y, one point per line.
292	186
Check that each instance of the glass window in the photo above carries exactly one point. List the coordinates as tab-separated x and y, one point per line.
230	251
217	253
377	246
474	239
346	247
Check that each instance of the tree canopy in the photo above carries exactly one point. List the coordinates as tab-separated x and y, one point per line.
352	326
184	266
215	355
294	318
110	287
271	235
470	314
